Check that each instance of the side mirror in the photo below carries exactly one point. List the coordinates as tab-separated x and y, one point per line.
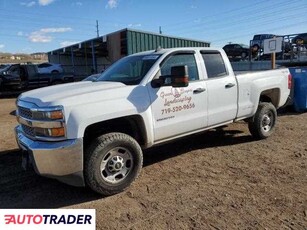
179	78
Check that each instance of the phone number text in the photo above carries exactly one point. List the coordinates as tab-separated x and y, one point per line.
177	108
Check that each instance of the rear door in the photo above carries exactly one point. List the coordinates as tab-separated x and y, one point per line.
221	87
32	75
44	79
179	110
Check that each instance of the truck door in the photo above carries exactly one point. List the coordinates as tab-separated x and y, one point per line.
44	79
222	89
33	76
12	76
179	110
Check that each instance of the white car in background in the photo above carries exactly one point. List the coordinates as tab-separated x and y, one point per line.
47	67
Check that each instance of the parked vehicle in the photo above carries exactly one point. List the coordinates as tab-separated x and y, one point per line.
93	133
19	76
92	77
257	45
236	50
257	42
47	67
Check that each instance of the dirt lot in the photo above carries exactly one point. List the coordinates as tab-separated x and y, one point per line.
216	180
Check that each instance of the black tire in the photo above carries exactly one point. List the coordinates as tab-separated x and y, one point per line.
55	72
299	41
255	48
263	123
112	162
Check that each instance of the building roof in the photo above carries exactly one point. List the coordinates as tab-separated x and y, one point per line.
84	48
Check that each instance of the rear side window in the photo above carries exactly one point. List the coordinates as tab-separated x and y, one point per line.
215	65
257	37
229	46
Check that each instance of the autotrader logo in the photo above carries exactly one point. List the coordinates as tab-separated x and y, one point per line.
48	219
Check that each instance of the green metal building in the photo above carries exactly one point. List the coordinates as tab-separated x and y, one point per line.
97	54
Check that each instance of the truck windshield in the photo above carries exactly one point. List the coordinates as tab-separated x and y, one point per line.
5	68
129	70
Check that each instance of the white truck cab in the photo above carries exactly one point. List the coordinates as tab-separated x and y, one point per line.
93	133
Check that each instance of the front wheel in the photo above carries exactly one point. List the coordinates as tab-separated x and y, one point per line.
264	121
112	162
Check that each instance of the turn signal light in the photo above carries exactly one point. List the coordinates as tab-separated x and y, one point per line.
58	114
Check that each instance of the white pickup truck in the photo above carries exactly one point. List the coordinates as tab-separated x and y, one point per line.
93	133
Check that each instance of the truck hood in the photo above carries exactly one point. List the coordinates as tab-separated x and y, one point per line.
76	93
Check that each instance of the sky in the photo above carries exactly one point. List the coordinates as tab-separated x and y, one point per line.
29	26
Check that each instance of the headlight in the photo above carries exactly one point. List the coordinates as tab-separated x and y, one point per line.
47	123
54	115
48	114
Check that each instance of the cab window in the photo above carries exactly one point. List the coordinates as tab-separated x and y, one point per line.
178	60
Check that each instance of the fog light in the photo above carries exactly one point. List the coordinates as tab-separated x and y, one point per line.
57	132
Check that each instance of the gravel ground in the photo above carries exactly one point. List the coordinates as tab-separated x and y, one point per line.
215	180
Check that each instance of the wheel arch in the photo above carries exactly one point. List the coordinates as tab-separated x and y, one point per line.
133	126
270	95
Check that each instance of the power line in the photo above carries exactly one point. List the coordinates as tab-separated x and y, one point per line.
255	7
244	20
243	24
259	31
216	23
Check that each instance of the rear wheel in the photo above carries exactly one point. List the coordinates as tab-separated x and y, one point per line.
263	122
112	162
255	48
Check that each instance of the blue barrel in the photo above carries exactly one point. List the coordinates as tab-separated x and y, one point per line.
299	79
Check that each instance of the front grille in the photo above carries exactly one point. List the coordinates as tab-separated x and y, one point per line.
24	112
35	124
28	130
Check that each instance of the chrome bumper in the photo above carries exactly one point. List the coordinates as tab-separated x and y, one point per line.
62	160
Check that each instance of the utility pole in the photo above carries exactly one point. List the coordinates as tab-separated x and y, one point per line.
160	30
97	29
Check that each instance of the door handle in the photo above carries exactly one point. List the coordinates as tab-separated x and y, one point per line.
199	90
229	85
